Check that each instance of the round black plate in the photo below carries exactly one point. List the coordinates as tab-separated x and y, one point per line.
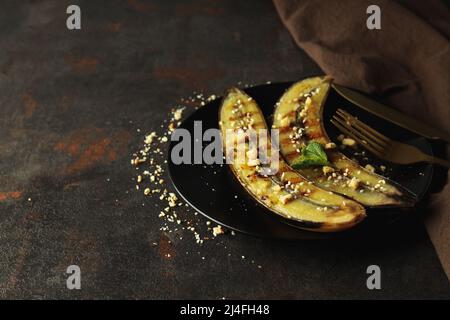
213	191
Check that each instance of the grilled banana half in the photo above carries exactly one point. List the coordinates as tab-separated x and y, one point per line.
299	117
281	190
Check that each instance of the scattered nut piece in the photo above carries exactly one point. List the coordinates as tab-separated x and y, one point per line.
349	142
218	230
177	114
149	138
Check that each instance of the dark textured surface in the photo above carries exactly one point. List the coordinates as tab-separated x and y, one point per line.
71	102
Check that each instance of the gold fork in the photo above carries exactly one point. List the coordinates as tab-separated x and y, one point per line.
380	145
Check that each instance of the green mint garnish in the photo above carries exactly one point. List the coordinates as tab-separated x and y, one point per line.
312	155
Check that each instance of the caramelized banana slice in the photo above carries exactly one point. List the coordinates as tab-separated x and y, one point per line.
286	193
299	117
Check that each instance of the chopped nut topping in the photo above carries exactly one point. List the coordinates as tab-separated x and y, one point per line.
252	154
308	102
285	122
354	183
276	188
285	198
253	162
327	169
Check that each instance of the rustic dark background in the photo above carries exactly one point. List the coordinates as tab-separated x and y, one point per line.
70	105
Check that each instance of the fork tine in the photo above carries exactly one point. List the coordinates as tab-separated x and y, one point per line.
365	140
367	135
348	133
365	126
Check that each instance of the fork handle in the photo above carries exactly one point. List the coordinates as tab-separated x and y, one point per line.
438	161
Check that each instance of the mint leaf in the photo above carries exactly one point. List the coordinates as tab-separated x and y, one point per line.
312	155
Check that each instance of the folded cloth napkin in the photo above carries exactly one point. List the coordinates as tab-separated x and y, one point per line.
407	61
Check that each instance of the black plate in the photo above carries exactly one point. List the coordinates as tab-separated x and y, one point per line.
213	191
